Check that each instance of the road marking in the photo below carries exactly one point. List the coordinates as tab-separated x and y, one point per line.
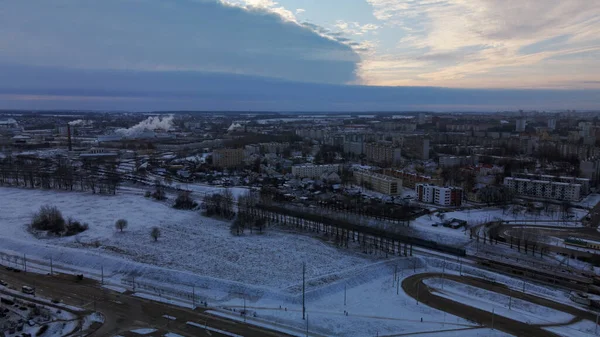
208	329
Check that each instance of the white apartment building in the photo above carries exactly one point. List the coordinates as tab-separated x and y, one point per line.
544	188
314	171
443	196
378	182
584	182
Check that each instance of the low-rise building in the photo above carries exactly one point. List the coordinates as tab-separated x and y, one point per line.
544	188
314	171
411	179
378	182
443	196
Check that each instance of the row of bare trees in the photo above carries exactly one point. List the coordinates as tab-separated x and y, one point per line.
60	174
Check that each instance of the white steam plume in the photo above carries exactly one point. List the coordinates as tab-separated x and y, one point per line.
77	122
149	124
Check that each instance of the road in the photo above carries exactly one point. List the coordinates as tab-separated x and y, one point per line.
414	284
124	312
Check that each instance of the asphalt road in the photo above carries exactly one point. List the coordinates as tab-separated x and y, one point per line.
124	312
414	284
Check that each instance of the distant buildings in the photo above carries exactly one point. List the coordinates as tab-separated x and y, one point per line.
415	146
521	124
455	161
314	171
226	158
443	196
550	187
382	153
411	179
378	182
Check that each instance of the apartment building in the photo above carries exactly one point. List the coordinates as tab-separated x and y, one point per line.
415	146
314	171
584	182
590	169
378	182
454	161
225	158
383	153
411	179
443	196
544	188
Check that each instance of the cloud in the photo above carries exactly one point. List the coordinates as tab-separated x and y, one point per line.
355	28
300	11
184	35
498	34
37	88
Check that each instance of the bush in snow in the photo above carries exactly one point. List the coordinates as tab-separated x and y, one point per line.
50	219
185	201
155	233
121	224
74	227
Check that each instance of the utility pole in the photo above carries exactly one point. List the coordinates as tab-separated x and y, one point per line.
398	287
193	297
244	308
306	325
51	268
492	318
344	294
25	262
102	274
510	300
418	288
596	329
303	290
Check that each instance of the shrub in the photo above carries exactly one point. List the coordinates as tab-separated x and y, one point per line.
185	201
121	224
74	227
148	194
155	233
50	219
159	194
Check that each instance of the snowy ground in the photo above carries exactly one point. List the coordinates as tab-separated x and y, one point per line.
199	251
584	328
502	305
188	242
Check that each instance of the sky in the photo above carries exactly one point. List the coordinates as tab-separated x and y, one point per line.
300	54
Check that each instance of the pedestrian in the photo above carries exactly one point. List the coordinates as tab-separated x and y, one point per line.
421	319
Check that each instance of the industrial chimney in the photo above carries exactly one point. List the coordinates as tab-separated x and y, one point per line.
69	137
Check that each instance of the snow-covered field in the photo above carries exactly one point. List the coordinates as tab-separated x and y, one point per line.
188	241
266	268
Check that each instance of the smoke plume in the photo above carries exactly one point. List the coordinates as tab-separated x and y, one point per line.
149	124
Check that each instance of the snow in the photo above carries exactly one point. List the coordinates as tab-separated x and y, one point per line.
115	288
251	322
519	310
225	333
169	317
144	331
182	304
584	328
172	334
189	242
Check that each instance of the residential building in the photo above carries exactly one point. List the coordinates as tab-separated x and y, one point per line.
443	196
411	179
415	146
520	125
590	169
383	153
225	158
354	144
454	161
584	182
378	182
314	171
552	124
544	188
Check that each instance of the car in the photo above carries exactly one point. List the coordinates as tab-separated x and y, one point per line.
28	290
3	283
55	300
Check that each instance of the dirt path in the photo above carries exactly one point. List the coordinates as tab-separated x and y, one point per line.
415	283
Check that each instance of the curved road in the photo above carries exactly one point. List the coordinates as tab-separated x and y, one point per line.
415	283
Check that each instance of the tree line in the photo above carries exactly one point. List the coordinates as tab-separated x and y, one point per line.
59	173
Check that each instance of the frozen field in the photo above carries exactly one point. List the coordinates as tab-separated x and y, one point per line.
188	242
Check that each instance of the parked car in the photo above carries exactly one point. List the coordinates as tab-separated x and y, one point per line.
28	290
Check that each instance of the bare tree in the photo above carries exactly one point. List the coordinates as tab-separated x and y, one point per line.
121	224
155	233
